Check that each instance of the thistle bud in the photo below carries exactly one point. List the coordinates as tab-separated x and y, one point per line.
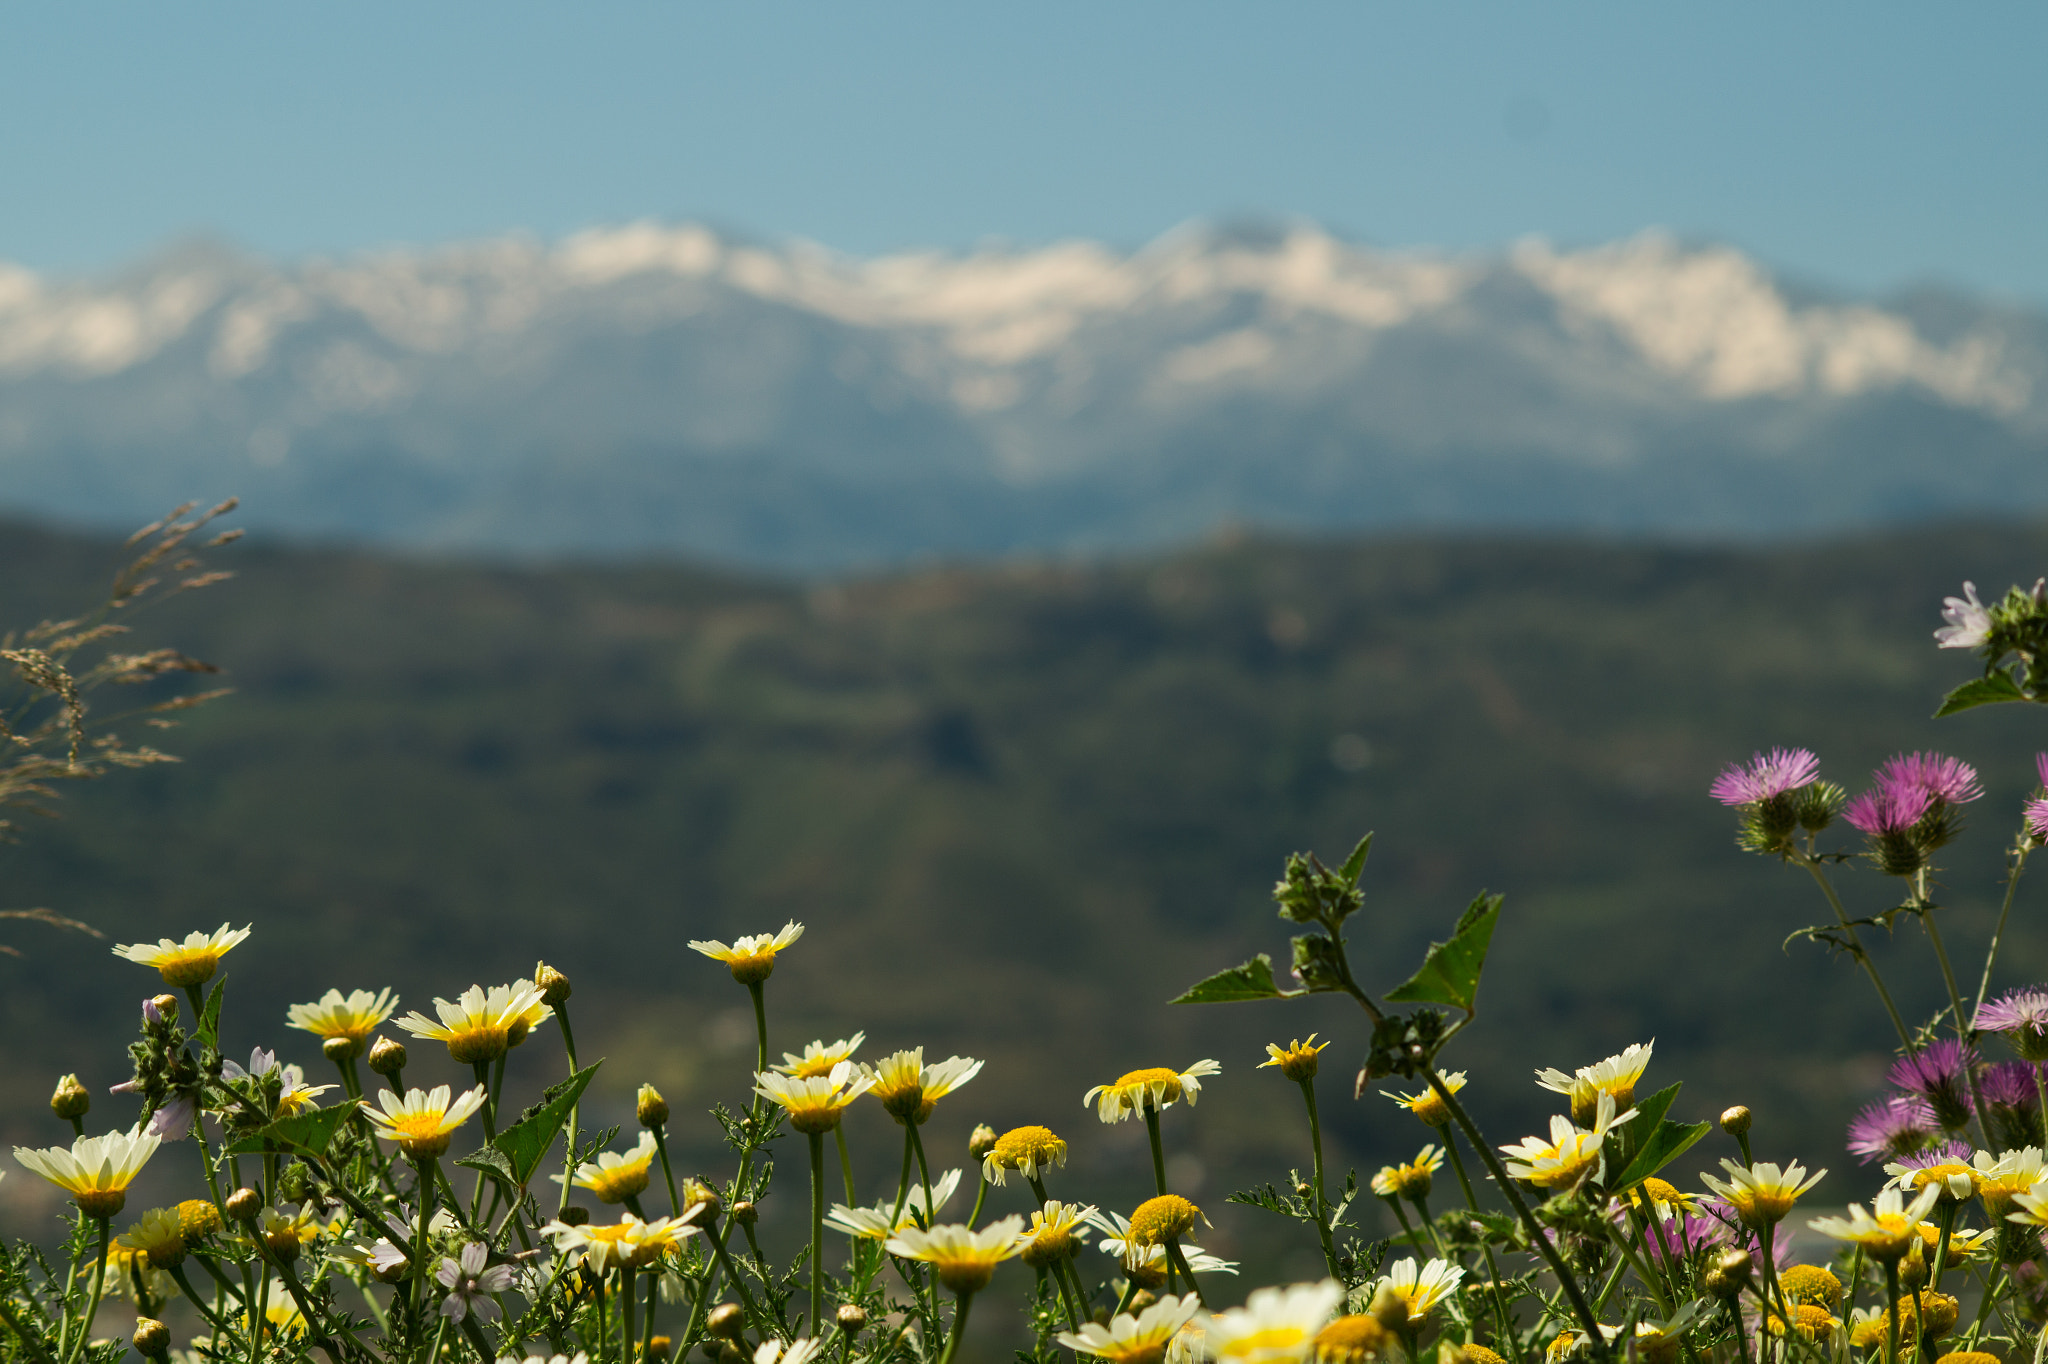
981	1141
386	1056
553	985
340	1049
71	1099
152	1338
651	1109
1735	1121
851	1318
659	1348
243	1204
745	1213
726	1321
1389	1308
574	1216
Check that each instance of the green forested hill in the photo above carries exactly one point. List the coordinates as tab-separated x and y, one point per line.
1020	807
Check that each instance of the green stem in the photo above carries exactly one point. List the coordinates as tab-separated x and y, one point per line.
426	1168
1948	1222
1842	917
760	1068
99	1284
959	1328
1158	1155
627	1332
1955	1004
1180	1262
647	1312
1315	1139
818	1233
575	1109
675	1205
2012	884
732	1272
177	1273
903	1180
1588	1323
1500	1304
924	1174
980	1192
1891	1312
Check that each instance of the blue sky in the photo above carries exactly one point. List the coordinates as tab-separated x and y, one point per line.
1863	146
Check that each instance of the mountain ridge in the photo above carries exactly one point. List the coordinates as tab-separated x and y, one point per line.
651	388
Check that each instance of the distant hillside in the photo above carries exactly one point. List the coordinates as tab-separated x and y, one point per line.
666	389
1020	807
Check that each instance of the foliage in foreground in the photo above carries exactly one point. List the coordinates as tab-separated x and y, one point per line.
347	1226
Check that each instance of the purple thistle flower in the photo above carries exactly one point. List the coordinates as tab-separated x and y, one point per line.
2009	1084
1939	1074
1891	1128
1945	778
1969	623
1684	1235
1952	1152
2036	815
1768	774
1888	809
2021	1009
2041	767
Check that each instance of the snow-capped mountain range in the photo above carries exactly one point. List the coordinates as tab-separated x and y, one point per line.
659	388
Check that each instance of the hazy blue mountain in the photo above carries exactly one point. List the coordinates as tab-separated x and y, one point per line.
666	388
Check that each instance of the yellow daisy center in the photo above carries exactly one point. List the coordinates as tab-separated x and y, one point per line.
1811	1284
1277	1340
183	966
1350	1340
1048	1247
1430	1109
419	1134
752	967
1134	1087
1159	1219
198	1219
1811	1322
618	1184
1036	1146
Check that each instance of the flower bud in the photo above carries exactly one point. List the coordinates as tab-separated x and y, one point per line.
1735	1121
1730	1271
981	1141
651	1109
729	1353
659	1348
386	1056
726	1321
699	1193
1141	1300
1913	1270
553	985
340	1049
152	1338
283	1244
243	1205
851	1318
1302	1188
573	1216
745	1213
71	1099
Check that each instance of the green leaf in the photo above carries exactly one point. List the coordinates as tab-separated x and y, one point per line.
1253	980
1450	971
1625	1139
525	1143
492	1162
302	1134
1670	1141
209	1020
1354	865
1984	691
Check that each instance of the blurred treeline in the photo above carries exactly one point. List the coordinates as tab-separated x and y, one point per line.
1020	807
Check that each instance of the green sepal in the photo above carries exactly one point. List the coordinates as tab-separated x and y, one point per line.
1253	980
1354	865
302	1134
1450	970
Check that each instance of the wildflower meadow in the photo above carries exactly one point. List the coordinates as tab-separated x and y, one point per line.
395	1199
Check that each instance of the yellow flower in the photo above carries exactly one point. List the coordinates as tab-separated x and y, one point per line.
282	1318
199	1219
1135	1338
1886	1234
479	1026
1761	1194
1615	1077
966	1259
1297	1060
1275	1326
1024	1149
613	1177
1411	1180
814	1105
818	1058
1056	1232
631	1242
1159	1220
752	960
908	1088
1571	1156
1147	1263
1354	1339
423	1123
2003	1178
1868	1327
159	1237
125	1264
96	1171
1940	1311
1660	1196
1420	1286
191	962
1152	1089
1958	1182
1811	1283
1426	1106
352	1017
1810	1321
882	1221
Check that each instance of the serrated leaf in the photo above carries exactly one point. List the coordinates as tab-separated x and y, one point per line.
209	1018
1354	865
1450	970
1625	1139
525	1143
1253	980
1670	1141
1983	691
302	1134
491	1161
